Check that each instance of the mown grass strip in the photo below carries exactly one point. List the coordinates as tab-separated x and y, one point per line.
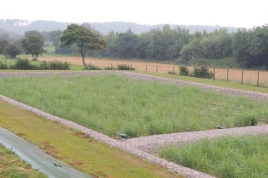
225	157
77	149
112	104
208	81
12	166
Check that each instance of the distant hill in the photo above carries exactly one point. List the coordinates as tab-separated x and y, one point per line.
21	26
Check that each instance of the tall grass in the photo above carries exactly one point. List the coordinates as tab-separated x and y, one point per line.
13	167
112	104
225	157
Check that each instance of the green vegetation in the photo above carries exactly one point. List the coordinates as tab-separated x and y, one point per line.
83	37
124	67
112	104
36	65
76	148
208	81
225	157
11	166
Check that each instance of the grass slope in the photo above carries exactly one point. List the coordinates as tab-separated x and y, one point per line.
225	157
76	149
111	104
12	166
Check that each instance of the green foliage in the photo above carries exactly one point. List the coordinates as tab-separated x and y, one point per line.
3	66
225	157
3	44
124	67
92	67
111	104
202	72
24	64
12	51
184	71
84	38
33	43
58	65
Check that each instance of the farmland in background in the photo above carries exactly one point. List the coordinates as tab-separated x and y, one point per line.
249	77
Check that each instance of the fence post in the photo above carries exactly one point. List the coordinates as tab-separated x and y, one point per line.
214	73
111	66
227	75
157	68
173	70
242	80
131	66
258	82
146	68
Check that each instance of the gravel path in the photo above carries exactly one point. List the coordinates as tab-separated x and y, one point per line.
145	146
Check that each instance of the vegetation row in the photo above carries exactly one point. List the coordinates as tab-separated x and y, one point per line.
225	157
241	49
111	104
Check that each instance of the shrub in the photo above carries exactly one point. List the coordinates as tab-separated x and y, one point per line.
109	68
171	72
92	67
22	64
124	67
202	72
57	65
184	71
44	65
3	66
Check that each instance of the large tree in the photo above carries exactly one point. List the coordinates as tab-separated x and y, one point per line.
84	38
33	43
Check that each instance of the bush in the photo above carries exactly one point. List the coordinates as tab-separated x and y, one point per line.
124	67
184	71
92	67
202	72
3	66
57	65
171	72
109	68
44	65
22	64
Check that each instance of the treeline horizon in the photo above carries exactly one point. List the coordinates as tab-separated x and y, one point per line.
245	48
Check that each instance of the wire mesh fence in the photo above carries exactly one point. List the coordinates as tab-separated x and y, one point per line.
248	77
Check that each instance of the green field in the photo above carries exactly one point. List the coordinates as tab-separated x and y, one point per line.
225	157
11	166
111	104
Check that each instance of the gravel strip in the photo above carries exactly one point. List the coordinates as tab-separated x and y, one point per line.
145	146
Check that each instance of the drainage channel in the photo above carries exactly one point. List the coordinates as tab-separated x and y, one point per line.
38	159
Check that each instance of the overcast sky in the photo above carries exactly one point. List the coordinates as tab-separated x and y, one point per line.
235	13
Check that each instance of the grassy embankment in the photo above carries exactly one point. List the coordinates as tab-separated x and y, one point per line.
225	157
76	149
12	166
112	104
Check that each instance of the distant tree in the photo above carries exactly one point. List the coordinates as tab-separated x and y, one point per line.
84	38
33	43
54	37
3	44
12	51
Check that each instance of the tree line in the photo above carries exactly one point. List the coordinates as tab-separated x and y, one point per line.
246	48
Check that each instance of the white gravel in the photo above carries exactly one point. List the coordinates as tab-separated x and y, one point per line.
145	147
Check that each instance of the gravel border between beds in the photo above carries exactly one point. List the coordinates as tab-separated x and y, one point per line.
142	146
